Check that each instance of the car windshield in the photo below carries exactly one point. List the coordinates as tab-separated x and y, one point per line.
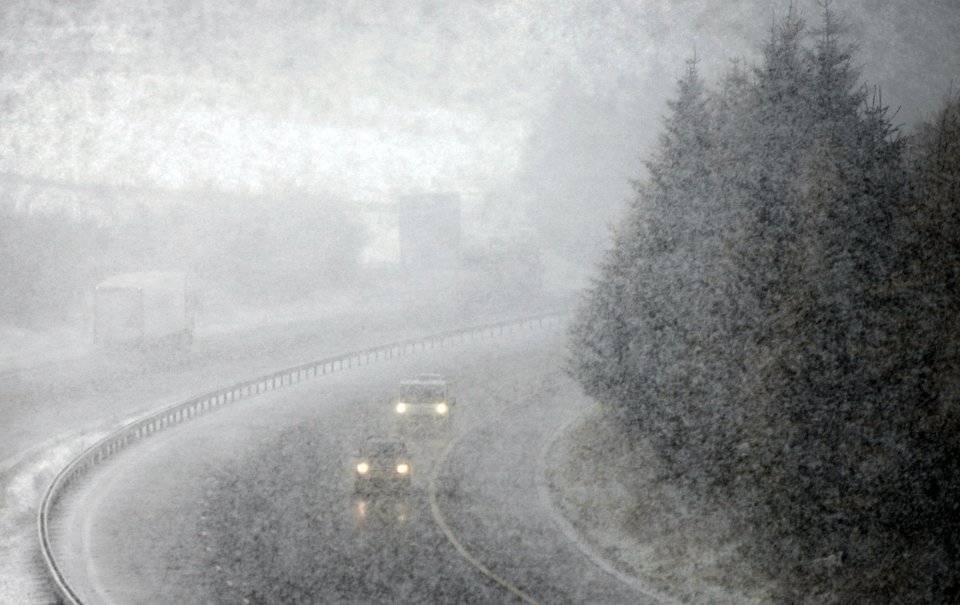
384	448
422	392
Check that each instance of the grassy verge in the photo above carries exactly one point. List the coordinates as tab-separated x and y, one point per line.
610	492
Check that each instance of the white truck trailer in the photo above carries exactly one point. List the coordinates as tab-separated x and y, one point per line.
143	310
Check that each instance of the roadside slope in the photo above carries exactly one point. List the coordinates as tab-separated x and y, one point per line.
622	512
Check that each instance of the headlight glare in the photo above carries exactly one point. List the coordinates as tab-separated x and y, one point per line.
403	468
363	468
442	408
401	407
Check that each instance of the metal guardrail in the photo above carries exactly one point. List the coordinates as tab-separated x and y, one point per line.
214	400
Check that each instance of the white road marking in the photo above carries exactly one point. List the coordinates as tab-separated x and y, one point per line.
438	517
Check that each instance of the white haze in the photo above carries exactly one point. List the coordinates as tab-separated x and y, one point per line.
261	148
534	110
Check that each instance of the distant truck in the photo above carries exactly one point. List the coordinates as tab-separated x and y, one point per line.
146	309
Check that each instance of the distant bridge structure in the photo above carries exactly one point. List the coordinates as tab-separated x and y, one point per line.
108	200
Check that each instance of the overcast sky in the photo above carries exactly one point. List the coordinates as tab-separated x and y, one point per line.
377	97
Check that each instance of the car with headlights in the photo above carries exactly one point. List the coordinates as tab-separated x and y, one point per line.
382	466
426	399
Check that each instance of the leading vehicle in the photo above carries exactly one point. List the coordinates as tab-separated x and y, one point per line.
425	399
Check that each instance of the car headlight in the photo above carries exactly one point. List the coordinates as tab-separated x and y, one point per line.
442	408
401	407
403	469
363	468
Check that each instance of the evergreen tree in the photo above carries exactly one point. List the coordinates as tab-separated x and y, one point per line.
919	358
778	316
647	312
815	245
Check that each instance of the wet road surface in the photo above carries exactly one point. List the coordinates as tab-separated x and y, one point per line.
474	528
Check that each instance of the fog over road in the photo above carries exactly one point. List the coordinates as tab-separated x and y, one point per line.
134	533
99	389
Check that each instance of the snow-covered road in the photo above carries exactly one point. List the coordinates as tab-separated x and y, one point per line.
50	413
135	533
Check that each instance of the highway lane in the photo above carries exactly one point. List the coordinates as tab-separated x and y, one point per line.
141	530
48	414
495	468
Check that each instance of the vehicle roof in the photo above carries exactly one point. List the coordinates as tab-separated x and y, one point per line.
428	376
424	382
143	279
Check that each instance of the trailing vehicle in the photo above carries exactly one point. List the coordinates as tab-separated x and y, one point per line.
143	309
383	511
382	466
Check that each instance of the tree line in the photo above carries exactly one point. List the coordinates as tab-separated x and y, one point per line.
778	314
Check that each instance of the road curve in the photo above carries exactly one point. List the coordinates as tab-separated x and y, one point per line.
134	532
